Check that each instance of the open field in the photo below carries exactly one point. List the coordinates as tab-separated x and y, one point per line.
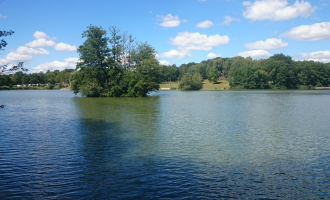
169	85
221	85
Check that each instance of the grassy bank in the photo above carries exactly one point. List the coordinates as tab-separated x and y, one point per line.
221	85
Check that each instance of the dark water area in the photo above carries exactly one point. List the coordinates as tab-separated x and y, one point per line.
171	145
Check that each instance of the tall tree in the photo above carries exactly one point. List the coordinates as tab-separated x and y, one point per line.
94	52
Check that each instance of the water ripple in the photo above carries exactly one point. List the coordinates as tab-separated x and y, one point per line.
172	145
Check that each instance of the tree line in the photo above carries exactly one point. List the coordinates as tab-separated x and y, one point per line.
277	72
50	78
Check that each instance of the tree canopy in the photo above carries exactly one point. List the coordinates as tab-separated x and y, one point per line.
115	66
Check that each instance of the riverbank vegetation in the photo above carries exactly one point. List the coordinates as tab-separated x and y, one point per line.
23	81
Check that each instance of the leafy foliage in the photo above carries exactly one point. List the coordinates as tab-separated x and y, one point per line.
277	72
105	71
191	82
3	42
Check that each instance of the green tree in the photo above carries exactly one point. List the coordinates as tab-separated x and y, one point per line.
94	62
191	82
94	52
213	74
106	72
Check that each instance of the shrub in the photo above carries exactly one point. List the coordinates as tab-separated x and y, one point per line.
319	85
191	82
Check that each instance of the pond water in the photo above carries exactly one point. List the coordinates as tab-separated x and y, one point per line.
171	145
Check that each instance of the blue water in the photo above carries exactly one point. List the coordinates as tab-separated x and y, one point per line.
171	145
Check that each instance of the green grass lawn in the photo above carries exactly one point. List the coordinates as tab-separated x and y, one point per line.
169	85
221	85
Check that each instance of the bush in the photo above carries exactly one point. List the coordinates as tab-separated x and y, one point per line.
191	82
50	87
91	90
61	86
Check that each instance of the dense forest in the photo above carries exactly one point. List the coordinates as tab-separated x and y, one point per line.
114	64
277	72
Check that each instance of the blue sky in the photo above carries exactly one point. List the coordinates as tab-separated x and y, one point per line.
47	32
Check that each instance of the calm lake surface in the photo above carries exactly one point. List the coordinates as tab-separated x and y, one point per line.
171	145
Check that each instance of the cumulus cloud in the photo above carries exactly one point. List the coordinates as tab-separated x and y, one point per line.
65	47
175	54
276	10
213	55
39	34
31	51
169	20
205	24
228	20
317	31
256	54
22	54
40	42
164	62
185	42
68	63
271	43
14	57
320	56
196	41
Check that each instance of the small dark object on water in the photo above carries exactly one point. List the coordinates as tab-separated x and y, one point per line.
2	106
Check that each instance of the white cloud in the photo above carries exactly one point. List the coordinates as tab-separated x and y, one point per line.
196	41
40	42
39	34
31	51
213	55
186	42
65	47
317	31
68	63
228	20
205	24
164	62
256	54
169	20
276	10
321	56
22	54
271	43
2	16
175	54
14	57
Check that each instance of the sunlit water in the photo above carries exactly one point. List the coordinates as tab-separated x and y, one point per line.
171	145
